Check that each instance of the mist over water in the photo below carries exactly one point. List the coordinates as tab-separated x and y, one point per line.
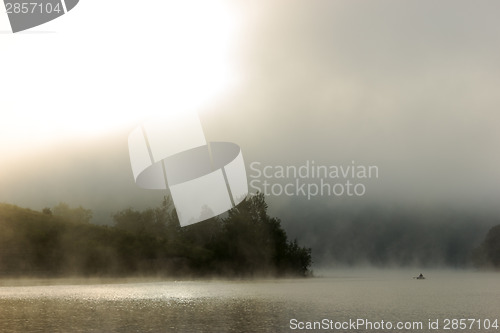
250	305
408	87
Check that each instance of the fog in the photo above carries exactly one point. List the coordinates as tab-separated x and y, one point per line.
410	87
407	87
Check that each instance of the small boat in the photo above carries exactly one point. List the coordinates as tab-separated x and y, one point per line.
420	277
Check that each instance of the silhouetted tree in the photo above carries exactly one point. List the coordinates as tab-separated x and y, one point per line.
251	242
77	215
488	253
247	242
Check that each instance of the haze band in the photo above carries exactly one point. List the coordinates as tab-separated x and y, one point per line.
205	179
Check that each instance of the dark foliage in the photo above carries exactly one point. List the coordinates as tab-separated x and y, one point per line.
61	241
391	236
487	255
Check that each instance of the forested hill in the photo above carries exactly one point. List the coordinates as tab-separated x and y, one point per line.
61	241
487	255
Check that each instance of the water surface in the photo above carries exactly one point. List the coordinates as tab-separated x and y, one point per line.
250	306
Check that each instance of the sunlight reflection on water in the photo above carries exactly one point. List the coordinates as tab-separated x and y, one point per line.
245	306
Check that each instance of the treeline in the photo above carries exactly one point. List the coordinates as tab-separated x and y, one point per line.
61	241
487	255
398	237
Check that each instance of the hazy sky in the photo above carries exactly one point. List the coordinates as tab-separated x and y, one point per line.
408	86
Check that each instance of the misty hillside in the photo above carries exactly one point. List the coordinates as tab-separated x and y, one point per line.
397	237
61	241
33	243
487	255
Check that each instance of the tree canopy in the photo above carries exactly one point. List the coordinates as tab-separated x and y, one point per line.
61	241
487	255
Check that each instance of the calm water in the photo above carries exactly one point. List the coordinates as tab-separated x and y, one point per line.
256	306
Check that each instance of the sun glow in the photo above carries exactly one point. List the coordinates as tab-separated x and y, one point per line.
175	58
